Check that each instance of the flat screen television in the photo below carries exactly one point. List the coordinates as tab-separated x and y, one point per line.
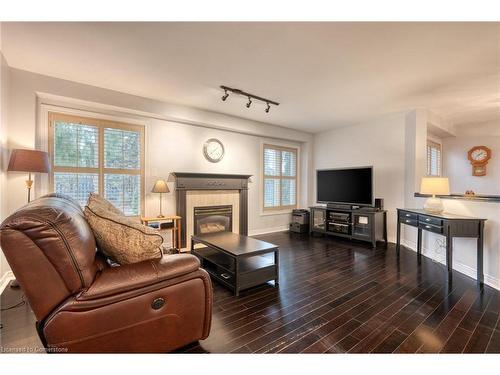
346	185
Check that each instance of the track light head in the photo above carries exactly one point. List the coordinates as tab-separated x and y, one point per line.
249	102
268	107
224	97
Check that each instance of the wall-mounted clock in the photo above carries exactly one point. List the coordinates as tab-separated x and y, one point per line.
479	157
213	149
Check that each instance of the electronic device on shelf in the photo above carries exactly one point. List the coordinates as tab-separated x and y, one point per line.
300	216
300	221
338	228
337	206
339	222
339	217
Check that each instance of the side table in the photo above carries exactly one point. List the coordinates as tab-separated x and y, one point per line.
176	227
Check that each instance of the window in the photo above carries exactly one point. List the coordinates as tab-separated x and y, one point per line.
93	155
433	158
280	177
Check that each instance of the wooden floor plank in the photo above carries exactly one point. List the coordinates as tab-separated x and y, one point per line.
485	329
457	341
383	326
494	344
424	325
461	335
337	317
444	330
335	296
365	306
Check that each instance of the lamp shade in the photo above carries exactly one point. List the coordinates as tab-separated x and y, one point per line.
29	161
435	186
160	187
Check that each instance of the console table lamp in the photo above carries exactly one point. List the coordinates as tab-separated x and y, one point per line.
434	186
31	161
160	187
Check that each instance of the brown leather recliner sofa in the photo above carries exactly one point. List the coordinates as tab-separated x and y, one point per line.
84	305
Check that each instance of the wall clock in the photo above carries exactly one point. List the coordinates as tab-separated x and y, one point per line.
213	149
478	157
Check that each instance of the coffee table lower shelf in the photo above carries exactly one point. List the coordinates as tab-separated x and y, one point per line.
238	273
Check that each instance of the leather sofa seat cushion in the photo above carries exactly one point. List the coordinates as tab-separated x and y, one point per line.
116	280
121	238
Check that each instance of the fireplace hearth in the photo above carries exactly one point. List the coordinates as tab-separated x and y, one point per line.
213	219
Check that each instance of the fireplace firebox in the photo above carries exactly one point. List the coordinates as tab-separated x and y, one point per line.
213	219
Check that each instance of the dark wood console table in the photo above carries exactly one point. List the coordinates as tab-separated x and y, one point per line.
448	225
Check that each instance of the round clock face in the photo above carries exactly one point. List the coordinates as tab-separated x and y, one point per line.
479	154
213	150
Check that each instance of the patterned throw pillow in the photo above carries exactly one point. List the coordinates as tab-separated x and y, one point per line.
96	202
119	237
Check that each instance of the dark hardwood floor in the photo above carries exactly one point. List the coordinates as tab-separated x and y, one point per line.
334	297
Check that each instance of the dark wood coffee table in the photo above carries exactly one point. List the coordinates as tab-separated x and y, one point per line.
238	262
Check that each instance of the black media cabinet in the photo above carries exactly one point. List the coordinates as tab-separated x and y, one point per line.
364	224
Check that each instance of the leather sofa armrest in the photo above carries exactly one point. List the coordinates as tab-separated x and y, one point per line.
115	280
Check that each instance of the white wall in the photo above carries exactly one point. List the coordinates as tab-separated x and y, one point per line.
174	138
489	128
379	143
4	89
415	153
178	147
458	169
396	147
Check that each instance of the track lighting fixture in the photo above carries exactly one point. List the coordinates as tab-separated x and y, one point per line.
249	96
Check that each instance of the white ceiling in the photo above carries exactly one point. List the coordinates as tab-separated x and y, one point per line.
324	74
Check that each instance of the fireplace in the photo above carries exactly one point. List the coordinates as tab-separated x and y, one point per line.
193	190
213	219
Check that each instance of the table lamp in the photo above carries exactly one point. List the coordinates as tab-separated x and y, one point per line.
160	187
434	186
31	161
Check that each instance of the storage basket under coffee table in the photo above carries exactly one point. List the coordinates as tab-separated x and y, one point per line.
238	262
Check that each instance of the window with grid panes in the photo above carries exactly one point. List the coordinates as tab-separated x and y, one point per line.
433	158
280	177
94	155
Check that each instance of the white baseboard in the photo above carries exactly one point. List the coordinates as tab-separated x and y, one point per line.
457	266
257	232
7	277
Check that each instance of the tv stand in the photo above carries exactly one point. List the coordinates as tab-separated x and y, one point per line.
364	224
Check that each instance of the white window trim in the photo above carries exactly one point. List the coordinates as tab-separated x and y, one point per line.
432	142
277	211
42	180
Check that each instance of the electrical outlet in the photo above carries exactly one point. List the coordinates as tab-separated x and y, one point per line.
440	246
